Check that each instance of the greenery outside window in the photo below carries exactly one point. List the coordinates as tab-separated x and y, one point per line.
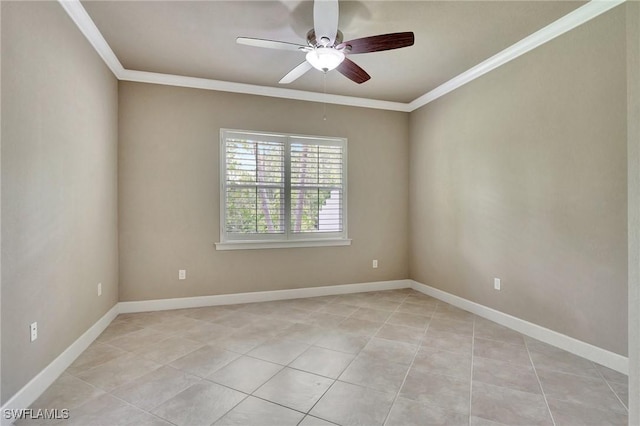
282	190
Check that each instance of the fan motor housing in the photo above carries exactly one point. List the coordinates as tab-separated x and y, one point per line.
313	41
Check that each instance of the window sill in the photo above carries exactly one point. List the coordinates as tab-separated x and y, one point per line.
253	245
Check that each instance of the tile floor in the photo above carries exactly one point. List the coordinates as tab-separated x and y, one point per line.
391	357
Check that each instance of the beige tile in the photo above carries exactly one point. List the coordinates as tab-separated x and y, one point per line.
450	313
242	340
369	314
310	304
438	323
323	319
323	362
563	361
179	324
382	304
374	373
478	421
291	314
339	309
245	374
408	320
279	351
411	308
205	332
347	404
579	389
236	319
255	411
390	350
294	389
154	388
106	410
509	406
169	349
208	313
272	327
612	375
343	342
570	413
400	333
139	339
119	371
95	355
622	391
493	349
264	308
451	342
505	374
117	329
66	392
430	304
358	326
305	333
406	412
447	392
199	405
490	330
437	361
204	361
314	421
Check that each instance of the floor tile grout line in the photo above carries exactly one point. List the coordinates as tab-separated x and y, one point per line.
610	387
535	371
351	362
404	379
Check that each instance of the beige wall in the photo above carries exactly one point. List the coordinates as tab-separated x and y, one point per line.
521	175
633	208
169	194
59	213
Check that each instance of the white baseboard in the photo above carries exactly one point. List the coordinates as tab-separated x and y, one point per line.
258	296
32	390
569	344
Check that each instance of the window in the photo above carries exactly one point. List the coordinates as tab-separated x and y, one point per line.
281	190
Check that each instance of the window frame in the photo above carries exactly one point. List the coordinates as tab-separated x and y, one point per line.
288	238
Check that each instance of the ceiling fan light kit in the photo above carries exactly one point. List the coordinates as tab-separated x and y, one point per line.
325	50
325	58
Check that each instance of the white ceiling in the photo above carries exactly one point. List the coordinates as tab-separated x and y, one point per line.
197	39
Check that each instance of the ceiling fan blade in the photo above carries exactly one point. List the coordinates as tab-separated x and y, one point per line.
325	21
270	44
352	71
378	43
296	73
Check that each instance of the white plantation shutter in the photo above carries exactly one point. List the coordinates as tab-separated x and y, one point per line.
254	185
278	187
316	186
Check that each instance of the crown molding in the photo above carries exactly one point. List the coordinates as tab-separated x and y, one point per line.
88	28
568	22
252	89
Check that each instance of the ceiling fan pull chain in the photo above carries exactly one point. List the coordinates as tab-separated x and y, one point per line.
324	100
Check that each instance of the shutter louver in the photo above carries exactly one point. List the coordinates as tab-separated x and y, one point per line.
254	186
316	187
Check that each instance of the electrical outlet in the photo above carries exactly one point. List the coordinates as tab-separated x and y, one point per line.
496	283
34	331
182	274
375	263
99	289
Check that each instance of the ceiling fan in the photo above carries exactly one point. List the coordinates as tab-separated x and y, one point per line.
325	49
